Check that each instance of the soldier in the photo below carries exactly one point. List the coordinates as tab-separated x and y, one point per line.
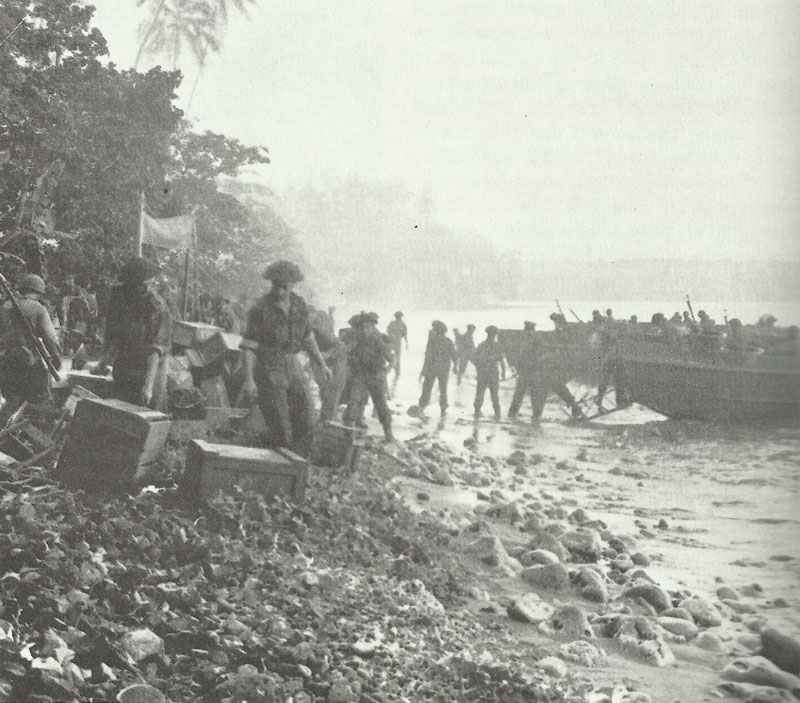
465	348
611	370
439	354
369	359
138	335
278	329
526	369
488	361
398	333
23	376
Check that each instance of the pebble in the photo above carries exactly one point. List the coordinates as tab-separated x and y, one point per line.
141	644
491	551
655	596
760	671
681	613
750	693
702	611
544	540
583	653
640	559
781	650
529	608
679	626
553	666
738	607
752	590
552	577
623	563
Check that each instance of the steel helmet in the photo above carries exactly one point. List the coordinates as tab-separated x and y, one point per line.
32	282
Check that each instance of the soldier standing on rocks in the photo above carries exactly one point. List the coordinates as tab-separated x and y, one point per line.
138	335
23	376
368	360
278	329
526	370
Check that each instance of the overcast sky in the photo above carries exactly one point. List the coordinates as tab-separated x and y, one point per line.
614	129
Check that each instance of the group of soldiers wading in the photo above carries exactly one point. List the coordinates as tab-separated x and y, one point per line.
279	325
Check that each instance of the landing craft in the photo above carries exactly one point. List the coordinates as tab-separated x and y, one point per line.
692	377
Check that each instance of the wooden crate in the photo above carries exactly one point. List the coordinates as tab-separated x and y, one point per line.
337	445
222	344
192	334
101	386
211	468
111	445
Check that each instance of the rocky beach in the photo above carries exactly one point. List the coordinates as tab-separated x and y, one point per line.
637	559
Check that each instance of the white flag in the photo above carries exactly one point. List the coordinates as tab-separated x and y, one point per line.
168	232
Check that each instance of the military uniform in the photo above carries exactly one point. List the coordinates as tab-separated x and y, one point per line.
397	332
23	376
465	349
488	361
368	360
138	324
439	354
526	373
276	338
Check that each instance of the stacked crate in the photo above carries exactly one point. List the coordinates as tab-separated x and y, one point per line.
337	445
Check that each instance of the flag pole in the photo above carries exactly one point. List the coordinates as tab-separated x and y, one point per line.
140	235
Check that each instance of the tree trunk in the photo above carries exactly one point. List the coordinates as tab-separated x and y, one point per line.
148	33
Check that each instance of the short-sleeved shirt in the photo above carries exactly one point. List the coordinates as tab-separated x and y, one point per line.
138	324
273	335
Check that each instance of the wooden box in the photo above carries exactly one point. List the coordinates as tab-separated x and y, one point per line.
211	468
337	445
111	445
101	386
222	344
191	334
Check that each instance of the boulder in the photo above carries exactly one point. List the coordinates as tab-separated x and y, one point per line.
538	556
640	638
622	562
709	641
551	577
583	653
781	650
591	584
553	666
583	544
441	475
652	594
679	626
702	611
640	559
727	593
491	551
569	623
544	540
739	607
529	608
681	613
750	693
141	644
760	671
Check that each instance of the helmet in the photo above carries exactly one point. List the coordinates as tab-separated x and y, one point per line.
283	272
528	325
439	325
398	314
371	317
470	327
355	320
32	282
491	330
138	270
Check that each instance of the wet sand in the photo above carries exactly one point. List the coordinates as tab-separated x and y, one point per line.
709	506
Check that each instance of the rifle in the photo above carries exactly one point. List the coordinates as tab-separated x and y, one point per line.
575	315
560	311
689	305
33	340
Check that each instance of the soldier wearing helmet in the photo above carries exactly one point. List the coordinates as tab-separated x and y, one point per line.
488	364
23	376
138	335
278	329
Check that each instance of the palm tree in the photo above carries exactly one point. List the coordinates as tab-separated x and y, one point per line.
173	24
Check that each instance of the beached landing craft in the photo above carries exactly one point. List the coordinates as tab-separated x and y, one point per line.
690	377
